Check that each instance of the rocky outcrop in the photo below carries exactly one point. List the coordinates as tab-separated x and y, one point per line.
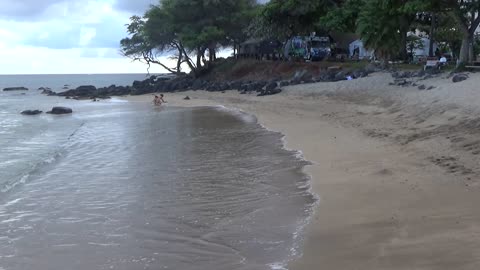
166	84
17	88
60	110
31	112
81	91
48	92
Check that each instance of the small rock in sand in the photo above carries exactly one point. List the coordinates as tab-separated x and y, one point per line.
187	98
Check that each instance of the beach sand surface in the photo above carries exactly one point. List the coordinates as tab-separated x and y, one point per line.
396	169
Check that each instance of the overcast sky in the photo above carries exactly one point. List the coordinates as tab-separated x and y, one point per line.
66	36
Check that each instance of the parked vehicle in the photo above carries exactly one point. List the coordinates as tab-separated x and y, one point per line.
319	48
312	48
296	48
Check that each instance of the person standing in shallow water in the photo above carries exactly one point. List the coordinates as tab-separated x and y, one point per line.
158	100
161	99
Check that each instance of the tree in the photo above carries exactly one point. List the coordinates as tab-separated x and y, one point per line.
467	14
188	29
383	26
140	47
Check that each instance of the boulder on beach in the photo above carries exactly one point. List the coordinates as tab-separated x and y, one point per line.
17	88
60	110
31	112
186	98
459	78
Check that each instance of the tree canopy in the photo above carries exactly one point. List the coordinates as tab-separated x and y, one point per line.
192	31
186	30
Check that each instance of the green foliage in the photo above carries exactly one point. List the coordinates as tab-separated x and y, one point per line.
383	26
287	18
187	27
342	17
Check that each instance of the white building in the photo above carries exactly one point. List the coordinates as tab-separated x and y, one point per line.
356	47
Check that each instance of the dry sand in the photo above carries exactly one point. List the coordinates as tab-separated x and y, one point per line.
396	169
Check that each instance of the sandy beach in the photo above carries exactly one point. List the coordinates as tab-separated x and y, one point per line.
396	169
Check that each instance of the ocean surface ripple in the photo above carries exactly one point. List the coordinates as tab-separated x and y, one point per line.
128	186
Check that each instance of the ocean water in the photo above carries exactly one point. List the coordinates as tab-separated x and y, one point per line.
121	185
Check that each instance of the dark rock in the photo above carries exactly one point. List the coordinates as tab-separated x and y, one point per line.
85	90
213	87
428	76
60	110
459	77
236	85
370	68
81	91
422	87
49	92
340	76
19	88
284	83
301	75
271	92
308	81
359	73
198	84
433	71
31	112
401	82
326	77
431	87
419	73
270	86
401	74
187	98
44	88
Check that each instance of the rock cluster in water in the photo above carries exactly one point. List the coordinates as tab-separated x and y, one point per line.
31	112
60	110
16	88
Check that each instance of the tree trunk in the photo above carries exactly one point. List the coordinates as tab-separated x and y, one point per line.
464	51
471	56
432	36
179	61
211	55
199	58
403	46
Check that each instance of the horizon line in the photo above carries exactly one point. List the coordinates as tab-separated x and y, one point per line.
120	73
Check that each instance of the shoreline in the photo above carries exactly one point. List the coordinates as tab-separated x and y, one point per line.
393	194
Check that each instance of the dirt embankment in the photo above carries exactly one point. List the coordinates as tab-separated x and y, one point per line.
256	70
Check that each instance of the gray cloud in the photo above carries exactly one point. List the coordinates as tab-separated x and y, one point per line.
107	35
135	6
24	8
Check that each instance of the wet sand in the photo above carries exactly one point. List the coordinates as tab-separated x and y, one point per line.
396	169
